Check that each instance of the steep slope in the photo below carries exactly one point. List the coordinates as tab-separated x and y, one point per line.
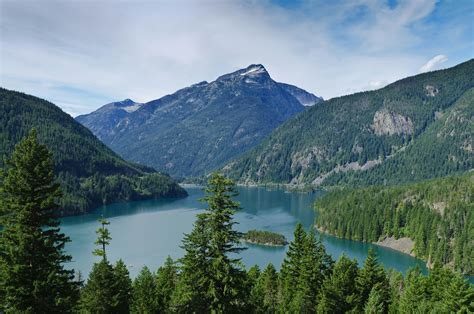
201	127
305	98
89	172
435	218
358	132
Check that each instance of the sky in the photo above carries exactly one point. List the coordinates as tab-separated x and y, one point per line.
82	54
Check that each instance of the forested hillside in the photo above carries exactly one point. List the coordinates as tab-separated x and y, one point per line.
90	173
417	128
438	215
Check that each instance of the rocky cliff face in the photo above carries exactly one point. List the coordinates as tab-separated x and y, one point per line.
200	127
391	123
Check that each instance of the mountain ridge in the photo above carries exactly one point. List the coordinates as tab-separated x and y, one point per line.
356	132
200	127
89	172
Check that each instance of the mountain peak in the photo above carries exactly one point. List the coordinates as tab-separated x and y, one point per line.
253	69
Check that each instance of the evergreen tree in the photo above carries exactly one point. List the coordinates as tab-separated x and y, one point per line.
32	274
191	294
311	275
210	248
144	293
370	275
375	303
122	288
108	289
413	298
166	280
103	239
98	294
291	269
269	282
338	292
227	277
459	296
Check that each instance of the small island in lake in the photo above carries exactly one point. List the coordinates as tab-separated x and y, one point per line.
264	238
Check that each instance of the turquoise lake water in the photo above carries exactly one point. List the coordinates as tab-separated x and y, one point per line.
146	232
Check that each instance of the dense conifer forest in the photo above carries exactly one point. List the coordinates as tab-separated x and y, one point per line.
438	215
90	174
415	129
209	278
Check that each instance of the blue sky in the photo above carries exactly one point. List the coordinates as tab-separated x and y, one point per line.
82	54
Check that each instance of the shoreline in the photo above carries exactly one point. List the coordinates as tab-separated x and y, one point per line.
264	243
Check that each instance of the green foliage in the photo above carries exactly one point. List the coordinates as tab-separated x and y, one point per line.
303	271
264	237
32	274
98	295
437	215
211	277
122	288
166	281
426	133
103	239
89	173
145	293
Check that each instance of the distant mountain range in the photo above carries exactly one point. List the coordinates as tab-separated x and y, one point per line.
201	127
89	172
418	128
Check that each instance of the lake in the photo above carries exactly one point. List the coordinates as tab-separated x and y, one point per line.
146	232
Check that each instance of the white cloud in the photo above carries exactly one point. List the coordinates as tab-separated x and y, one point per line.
434	63
142	50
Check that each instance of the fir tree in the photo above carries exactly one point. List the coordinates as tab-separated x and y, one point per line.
459	296
291	269
191	294
144	293
227	277
166	280
269	282
339	293
103	239
370	275
32	258
413	298
98	294
122	288
375	303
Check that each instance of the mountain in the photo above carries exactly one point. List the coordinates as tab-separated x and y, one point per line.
305	98
89	172
201	127
417	128
433	220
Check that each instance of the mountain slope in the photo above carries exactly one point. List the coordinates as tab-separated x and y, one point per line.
90	173
436	215
358	132
201	127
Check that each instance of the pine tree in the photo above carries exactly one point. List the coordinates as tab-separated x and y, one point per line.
459	296
413	298
375	303
209	263
227	277
338	292
291	269
108	288
122	288
370	275
166	280
191	294
269	282
32	258
103	239
97	296
144	293
311	275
